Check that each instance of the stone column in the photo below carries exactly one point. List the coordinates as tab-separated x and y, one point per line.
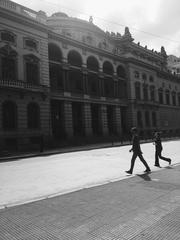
103	112
101	84
68	118
87	119
85	82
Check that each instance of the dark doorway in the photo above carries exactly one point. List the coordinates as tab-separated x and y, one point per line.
111	120
124	123
57	118
95	116
77	115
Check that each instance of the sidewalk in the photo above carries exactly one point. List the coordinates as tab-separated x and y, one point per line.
141	207
48	152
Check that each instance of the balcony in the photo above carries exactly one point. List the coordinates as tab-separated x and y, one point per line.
146	103
27	12
17	84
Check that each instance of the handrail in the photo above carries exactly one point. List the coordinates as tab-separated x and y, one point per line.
27	12
21	84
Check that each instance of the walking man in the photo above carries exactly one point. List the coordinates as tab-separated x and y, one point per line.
136	152
158	150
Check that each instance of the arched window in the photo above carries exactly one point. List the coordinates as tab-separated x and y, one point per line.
9	115
32	69
74	58
55	68
108	68
93	79
75	74
33	116
139	119
54	53
121	72
92	64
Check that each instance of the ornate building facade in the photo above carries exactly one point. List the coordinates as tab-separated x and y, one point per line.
67	80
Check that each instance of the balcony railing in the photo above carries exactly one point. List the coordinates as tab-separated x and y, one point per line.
22	85
27	12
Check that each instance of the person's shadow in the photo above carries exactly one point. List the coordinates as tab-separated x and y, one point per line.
169	167
144	176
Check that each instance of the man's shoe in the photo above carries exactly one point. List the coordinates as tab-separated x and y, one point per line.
147	170
157	165
129	172
170	161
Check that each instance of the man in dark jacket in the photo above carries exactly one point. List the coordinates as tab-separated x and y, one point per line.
136	152
158	150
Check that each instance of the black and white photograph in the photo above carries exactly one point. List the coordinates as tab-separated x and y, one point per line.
89	120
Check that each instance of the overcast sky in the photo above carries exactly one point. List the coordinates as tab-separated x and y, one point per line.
154	23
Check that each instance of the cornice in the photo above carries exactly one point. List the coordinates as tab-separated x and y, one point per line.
15	17
142	64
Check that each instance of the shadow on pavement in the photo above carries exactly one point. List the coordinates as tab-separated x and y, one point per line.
145	177
169	167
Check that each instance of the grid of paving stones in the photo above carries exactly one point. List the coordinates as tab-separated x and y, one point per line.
143	207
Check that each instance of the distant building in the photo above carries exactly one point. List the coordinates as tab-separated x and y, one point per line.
67	80
174	65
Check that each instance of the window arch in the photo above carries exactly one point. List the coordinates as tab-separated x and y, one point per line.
108	68
9	115
32	69
74	58
54	52
33	116
92	64
121	71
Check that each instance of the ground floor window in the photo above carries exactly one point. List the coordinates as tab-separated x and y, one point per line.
9	115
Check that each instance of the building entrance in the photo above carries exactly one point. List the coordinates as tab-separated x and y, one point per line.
57	119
